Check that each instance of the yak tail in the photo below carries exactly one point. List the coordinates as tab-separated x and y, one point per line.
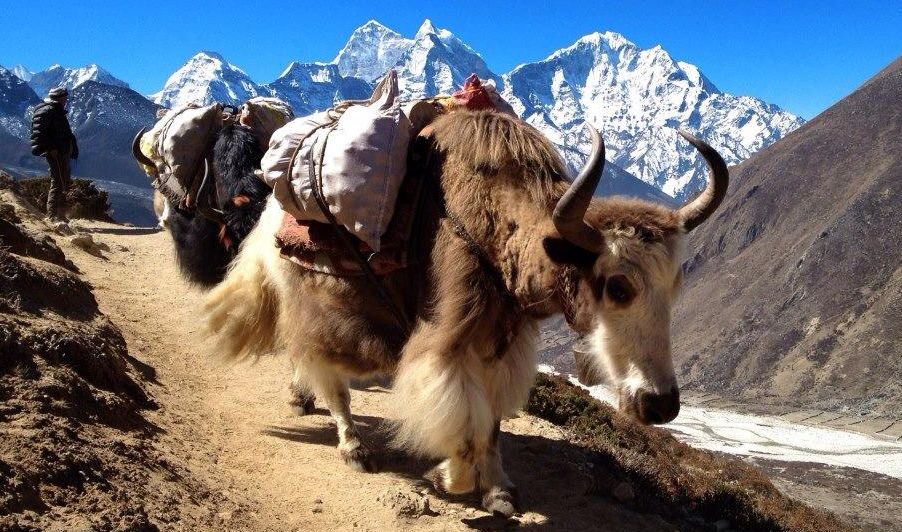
242	312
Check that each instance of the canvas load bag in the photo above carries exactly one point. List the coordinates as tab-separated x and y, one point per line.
350	160
264	115
178	143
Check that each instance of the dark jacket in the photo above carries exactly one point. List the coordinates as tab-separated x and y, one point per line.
50	130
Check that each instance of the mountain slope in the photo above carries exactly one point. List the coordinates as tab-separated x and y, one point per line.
58	76
104	119
206	77
618	182
794	291
22	72
16	100
16	97
639	98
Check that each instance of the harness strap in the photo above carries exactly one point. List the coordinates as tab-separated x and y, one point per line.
396	311
566	287
495	277
224	238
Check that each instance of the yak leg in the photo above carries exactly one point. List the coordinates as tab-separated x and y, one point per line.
449	403
333	390
441	410
498	492
302	398
508	381
455	475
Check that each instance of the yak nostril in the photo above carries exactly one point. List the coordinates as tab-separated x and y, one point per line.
655	409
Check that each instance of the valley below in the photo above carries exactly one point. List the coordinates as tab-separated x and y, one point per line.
854	471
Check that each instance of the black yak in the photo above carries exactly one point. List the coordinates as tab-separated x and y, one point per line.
204	246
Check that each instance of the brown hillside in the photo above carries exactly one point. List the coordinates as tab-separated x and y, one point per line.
794	289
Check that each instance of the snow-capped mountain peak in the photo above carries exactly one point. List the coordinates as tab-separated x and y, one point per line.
610	39
425	29
639	98
22	72
371	50
59	76
207	77
437	62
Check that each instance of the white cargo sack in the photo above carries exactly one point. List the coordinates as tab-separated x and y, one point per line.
178	142
264	115
353	156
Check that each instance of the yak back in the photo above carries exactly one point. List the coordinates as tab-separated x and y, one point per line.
236	155
491	146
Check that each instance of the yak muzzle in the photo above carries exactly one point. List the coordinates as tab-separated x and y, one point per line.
651	408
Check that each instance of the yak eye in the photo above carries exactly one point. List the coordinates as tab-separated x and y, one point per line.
619	290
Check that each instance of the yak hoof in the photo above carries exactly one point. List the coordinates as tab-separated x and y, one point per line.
303	406
446	482
500	502
360	459
436	476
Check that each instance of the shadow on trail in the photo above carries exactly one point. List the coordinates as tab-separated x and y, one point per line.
555	478
374	431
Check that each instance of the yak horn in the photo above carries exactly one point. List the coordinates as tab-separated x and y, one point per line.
138	154
570	211
698	210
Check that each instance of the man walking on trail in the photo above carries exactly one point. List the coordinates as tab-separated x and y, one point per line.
52	138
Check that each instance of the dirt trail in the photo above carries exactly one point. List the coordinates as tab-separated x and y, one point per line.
232	428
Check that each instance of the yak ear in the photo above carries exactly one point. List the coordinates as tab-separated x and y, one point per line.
563	251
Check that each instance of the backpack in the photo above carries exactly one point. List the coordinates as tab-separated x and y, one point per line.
39	128
346	163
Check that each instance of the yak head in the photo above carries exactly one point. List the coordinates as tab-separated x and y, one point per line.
627	258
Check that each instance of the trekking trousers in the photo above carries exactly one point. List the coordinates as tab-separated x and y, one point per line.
60	181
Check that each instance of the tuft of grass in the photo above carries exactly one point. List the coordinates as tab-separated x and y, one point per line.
666	474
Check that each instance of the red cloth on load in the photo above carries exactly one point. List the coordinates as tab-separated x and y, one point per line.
473	95
315	246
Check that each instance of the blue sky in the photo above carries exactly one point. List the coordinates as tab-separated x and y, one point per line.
801	55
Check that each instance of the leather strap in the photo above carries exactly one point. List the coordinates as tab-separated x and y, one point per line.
353	249
514	311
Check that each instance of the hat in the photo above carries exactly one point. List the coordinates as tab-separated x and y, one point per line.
58	93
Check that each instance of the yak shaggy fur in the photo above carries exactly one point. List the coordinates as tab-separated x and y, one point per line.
470	359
